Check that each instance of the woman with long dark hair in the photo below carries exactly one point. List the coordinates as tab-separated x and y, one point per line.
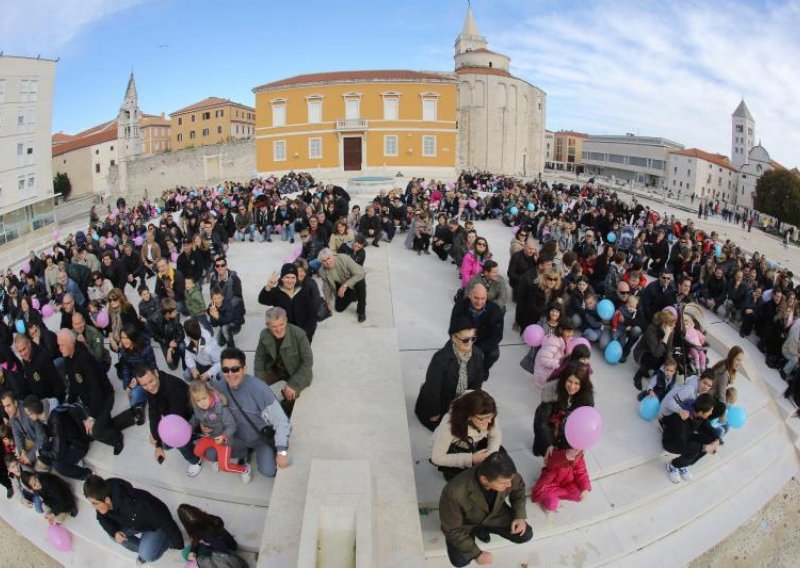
466	434
208	538
134	350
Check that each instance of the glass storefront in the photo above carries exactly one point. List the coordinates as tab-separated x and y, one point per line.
24	220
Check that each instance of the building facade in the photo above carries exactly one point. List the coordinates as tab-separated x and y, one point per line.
549	146
88	156
629	158
743	134
567	153
211	121
709	177
480	117
156	135
26	176
501	118
357	121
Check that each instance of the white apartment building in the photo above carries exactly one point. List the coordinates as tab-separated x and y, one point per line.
641	159
709	177
26	179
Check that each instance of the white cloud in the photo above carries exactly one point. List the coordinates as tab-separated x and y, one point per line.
673	69
44	26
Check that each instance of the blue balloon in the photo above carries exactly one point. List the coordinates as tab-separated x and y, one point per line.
718	250
531	207
605	309
513	210
737	416
613	352
649	407
611	237
20	325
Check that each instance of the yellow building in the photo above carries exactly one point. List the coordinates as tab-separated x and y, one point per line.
210	121
568	152
156	136
358	121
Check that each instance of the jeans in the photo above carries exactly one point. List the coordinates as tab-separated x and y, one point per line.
287	232
186	451
265	455
138	396
457	559
150	546
592	334
247	232
791	361
177	354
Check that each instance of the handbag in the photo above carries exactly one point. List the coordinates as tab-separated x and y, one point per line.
267	433
219	559
528	362
323	312
461	447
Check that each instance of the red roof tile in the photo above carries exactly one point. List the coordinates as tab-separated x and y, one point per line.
718	159
104	132
483	71
572	133
353	76
60	137
210	102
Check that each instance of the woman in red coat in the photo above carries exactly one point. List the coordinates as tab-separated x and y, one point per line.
564	476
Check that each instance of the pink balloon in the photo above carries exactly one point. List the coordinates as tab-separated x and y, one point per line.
191	564
533	335
174	431
35	303
116	253
174	257
584	427
59	537
672	310
473	204
47	310
514	229
138	241
289	259
102	319
26	267
575	341
56	234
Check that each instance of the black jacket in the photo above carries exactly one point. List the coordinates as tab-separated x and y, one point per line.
64	428
549	422
41	377
87	381
137	510
519	265
686	436
177	286
655	298
300	309
57	494
441	380
489	324
172	398
191	265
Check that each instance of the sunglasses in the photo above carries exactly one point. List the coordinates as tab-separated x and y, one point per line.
226	370
552	279
220	265
466	340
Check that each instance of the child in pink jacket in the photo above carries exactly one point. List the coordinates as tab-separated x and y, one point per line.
474	259
564	476
552	351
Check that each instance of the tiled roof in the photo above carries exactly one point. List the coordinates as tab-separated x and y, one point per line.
210	102
718	159
104	132
60	137
483	71
353	76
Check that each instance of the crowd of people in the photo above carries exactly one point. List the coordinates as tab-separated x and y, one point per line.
574	251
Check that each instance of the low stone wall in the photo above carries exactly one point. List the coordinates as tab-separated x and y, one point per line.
203	165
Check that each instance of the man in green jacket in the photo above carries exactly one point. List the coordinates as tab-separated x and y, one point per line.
284	354
473	504
92	338
344	281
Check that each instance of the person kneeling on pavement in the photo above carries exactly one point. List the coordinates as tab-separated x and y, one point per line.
690	434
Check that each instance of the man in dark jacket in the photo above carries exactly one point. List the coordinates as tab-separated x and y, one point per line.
692	437
657	295
473	505
89	384
520	262
41	377
167	394
66	442
170	283
714	291
370	226
114	270
487	318
132	263
133	517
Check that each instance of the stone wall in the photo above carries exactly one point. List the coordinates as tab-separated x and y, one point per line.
203	165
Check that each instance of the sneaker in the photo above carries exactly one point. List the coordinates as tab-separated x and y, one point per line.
138	414
140	562
686	475
362	318
247	474
215	466
673	473
194	469
291	240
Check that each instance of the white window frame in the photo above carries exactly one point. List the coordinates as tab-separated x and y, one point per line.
2	90
386	149
31	181
24	85
20	153
314	109
21	183
33	91
30	118
390	113
430	108
312	142
278	113
428	139
350	103
279	150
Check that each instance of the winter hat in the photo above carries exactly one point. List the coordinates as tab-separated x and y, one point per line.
288	268
460	324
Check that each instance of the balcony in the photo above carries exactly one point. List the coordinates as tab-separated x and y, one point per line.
351	124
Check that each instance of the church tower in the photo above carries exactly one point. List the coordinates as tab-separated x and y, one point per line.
469	39
129	135
743	135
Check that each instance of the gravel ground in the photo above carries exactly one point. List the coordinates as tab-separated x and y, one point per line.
768	539
19	552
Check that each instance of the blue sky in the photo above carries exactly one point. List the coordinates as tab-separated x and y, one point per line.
675	69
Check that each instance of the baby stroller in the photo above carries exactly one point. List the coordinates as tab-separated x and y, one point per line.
626	238
681	348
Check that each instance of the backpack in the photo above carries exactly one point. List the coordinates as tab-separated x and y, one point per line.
80	239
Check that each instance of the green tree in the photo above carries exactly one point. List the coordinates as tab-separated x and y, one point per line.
778	194
62	185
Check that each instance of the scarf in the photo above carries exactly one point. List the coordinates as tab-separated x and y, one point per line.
463	360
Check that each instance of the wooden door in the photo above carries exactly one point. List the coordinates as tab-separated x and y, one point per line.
352	153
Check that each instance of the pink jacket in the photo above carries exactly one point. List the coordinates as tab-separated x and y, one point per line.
548	359
695	337
560	473
470	266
